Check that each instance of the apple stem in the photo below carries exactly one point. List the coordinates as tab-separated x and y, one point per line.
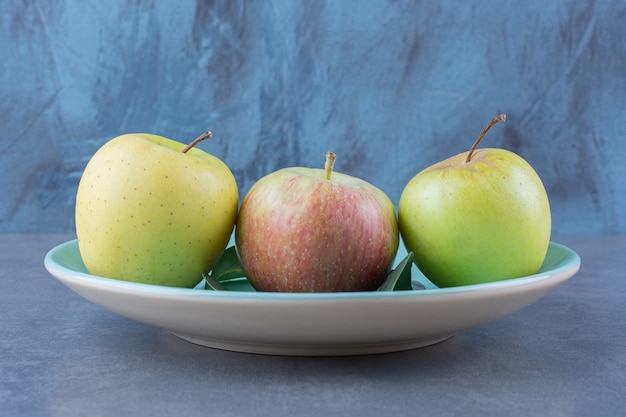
330	163
499	118
205	135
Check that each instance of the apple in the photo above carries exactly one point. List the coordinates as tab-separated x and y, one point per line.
315	230
479	216
150	210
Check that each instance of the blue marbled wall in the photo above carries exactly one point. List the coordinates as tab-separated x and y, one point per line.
390	86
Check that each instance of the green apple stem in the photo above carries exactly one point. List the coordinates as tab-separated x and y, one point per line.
499	118
330	163
205	135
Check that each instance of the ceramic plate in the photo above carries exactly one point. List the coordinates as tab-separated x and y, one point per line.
313	324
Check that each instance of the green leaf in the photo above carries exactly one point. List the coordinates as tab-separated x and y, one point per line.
400	278
211	283
228	268
225	269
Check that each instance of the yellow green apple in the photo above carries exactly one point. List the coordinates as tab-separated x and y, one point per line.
152	210
479	216
314	230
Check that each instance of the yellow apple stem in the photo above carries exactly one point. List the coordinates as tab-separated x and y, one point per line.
205	135
330	163
499	118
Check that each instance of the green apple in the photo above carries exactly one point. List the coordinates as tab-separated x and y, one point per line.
150	210
476	217
314	230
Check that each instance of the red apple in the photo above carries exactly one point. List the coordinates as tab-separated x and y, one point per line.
314	230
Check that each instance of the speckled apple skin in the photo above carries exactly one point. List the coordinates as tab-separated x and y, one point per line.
146	212
300	232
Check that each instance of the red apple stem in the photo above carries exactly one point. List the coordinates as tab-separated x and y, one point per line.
204	136
330	163
499	118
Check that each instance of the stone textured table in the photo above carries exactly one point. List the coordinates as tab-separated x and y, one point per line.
61	355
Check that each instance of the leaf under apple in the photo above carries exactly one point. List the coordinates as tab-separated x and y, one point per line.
228	268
